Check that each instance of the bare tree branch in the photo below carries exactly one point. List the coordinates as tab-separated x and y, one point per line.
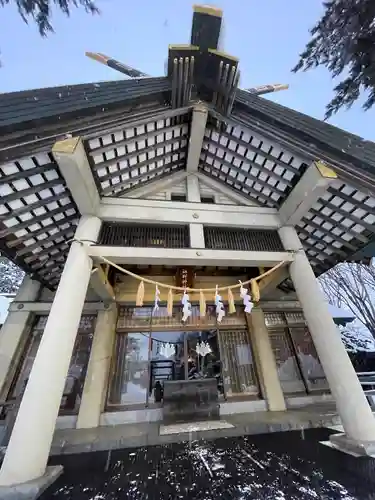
352	286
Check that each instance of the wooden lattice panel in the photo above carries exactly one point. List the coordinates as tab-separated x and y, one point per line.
250	164
135	155
37	216
338	225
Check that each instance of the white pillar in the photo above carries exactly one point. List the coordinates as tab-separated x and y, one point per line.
13	334
192	187
196	232
94	391
194	196
27	453
353	408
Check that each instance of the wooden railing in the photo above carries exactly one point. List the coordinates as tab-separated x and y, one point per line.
144	235
230	238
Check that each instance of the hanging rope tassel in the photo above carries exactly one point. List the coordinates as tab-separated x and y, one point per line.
231	306
170	303
140	294
255	293
202	304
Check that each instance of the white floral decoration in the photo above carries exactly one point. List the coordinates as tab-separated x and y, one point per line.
167	350
203	348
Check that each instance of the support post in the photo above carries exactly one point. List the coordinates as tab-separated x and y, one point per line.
101	286
71	157
194	196
196	236
268	284
27	453
198	128
94	391
354	410
13	334
156	185
266	362
311	186
193	191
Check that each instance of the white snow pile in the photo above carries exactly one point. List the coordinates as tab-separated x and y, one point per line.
356	337
10	276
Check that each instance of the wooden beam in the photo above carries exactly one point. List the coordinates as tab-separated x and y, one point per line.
310	187
270	282
100	285
71	157
187	256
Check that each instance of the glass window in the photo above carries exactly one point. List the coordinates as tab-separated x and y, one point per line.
27	364
274	319
166	361
134	318
161	320
78	364
308	359
295	318
239	374
130	382
143	362
178	351
287	368
232	320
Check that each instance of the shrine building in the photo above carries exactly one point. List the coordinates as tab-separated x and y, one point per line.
171	230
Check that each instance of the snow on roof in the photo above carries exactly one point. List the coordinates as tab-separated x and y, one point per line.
338	313
341	314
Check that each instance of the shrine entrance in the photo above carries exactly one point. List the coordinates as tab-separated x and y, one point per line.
183	367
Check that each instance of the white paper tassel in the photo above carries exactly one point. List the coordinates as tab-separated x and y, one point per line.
220	311
157	298
246	299
186	311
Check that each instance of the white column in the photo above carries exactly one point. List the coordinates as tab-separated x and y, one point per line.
94	391
196	236
355	412
192	187
194	196
27	453
13	333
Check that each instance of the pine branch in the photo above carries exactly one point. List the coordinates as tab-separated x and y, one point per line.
40	11
343	41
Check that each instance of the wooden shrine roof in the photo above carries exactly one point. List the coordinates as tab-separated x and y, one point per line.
136	131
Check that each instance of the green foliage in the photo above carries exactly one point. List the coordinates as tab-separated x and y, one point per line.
40	11
343	41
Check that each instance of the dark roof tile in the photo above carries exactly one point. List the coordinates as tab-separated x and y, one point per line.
345	143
